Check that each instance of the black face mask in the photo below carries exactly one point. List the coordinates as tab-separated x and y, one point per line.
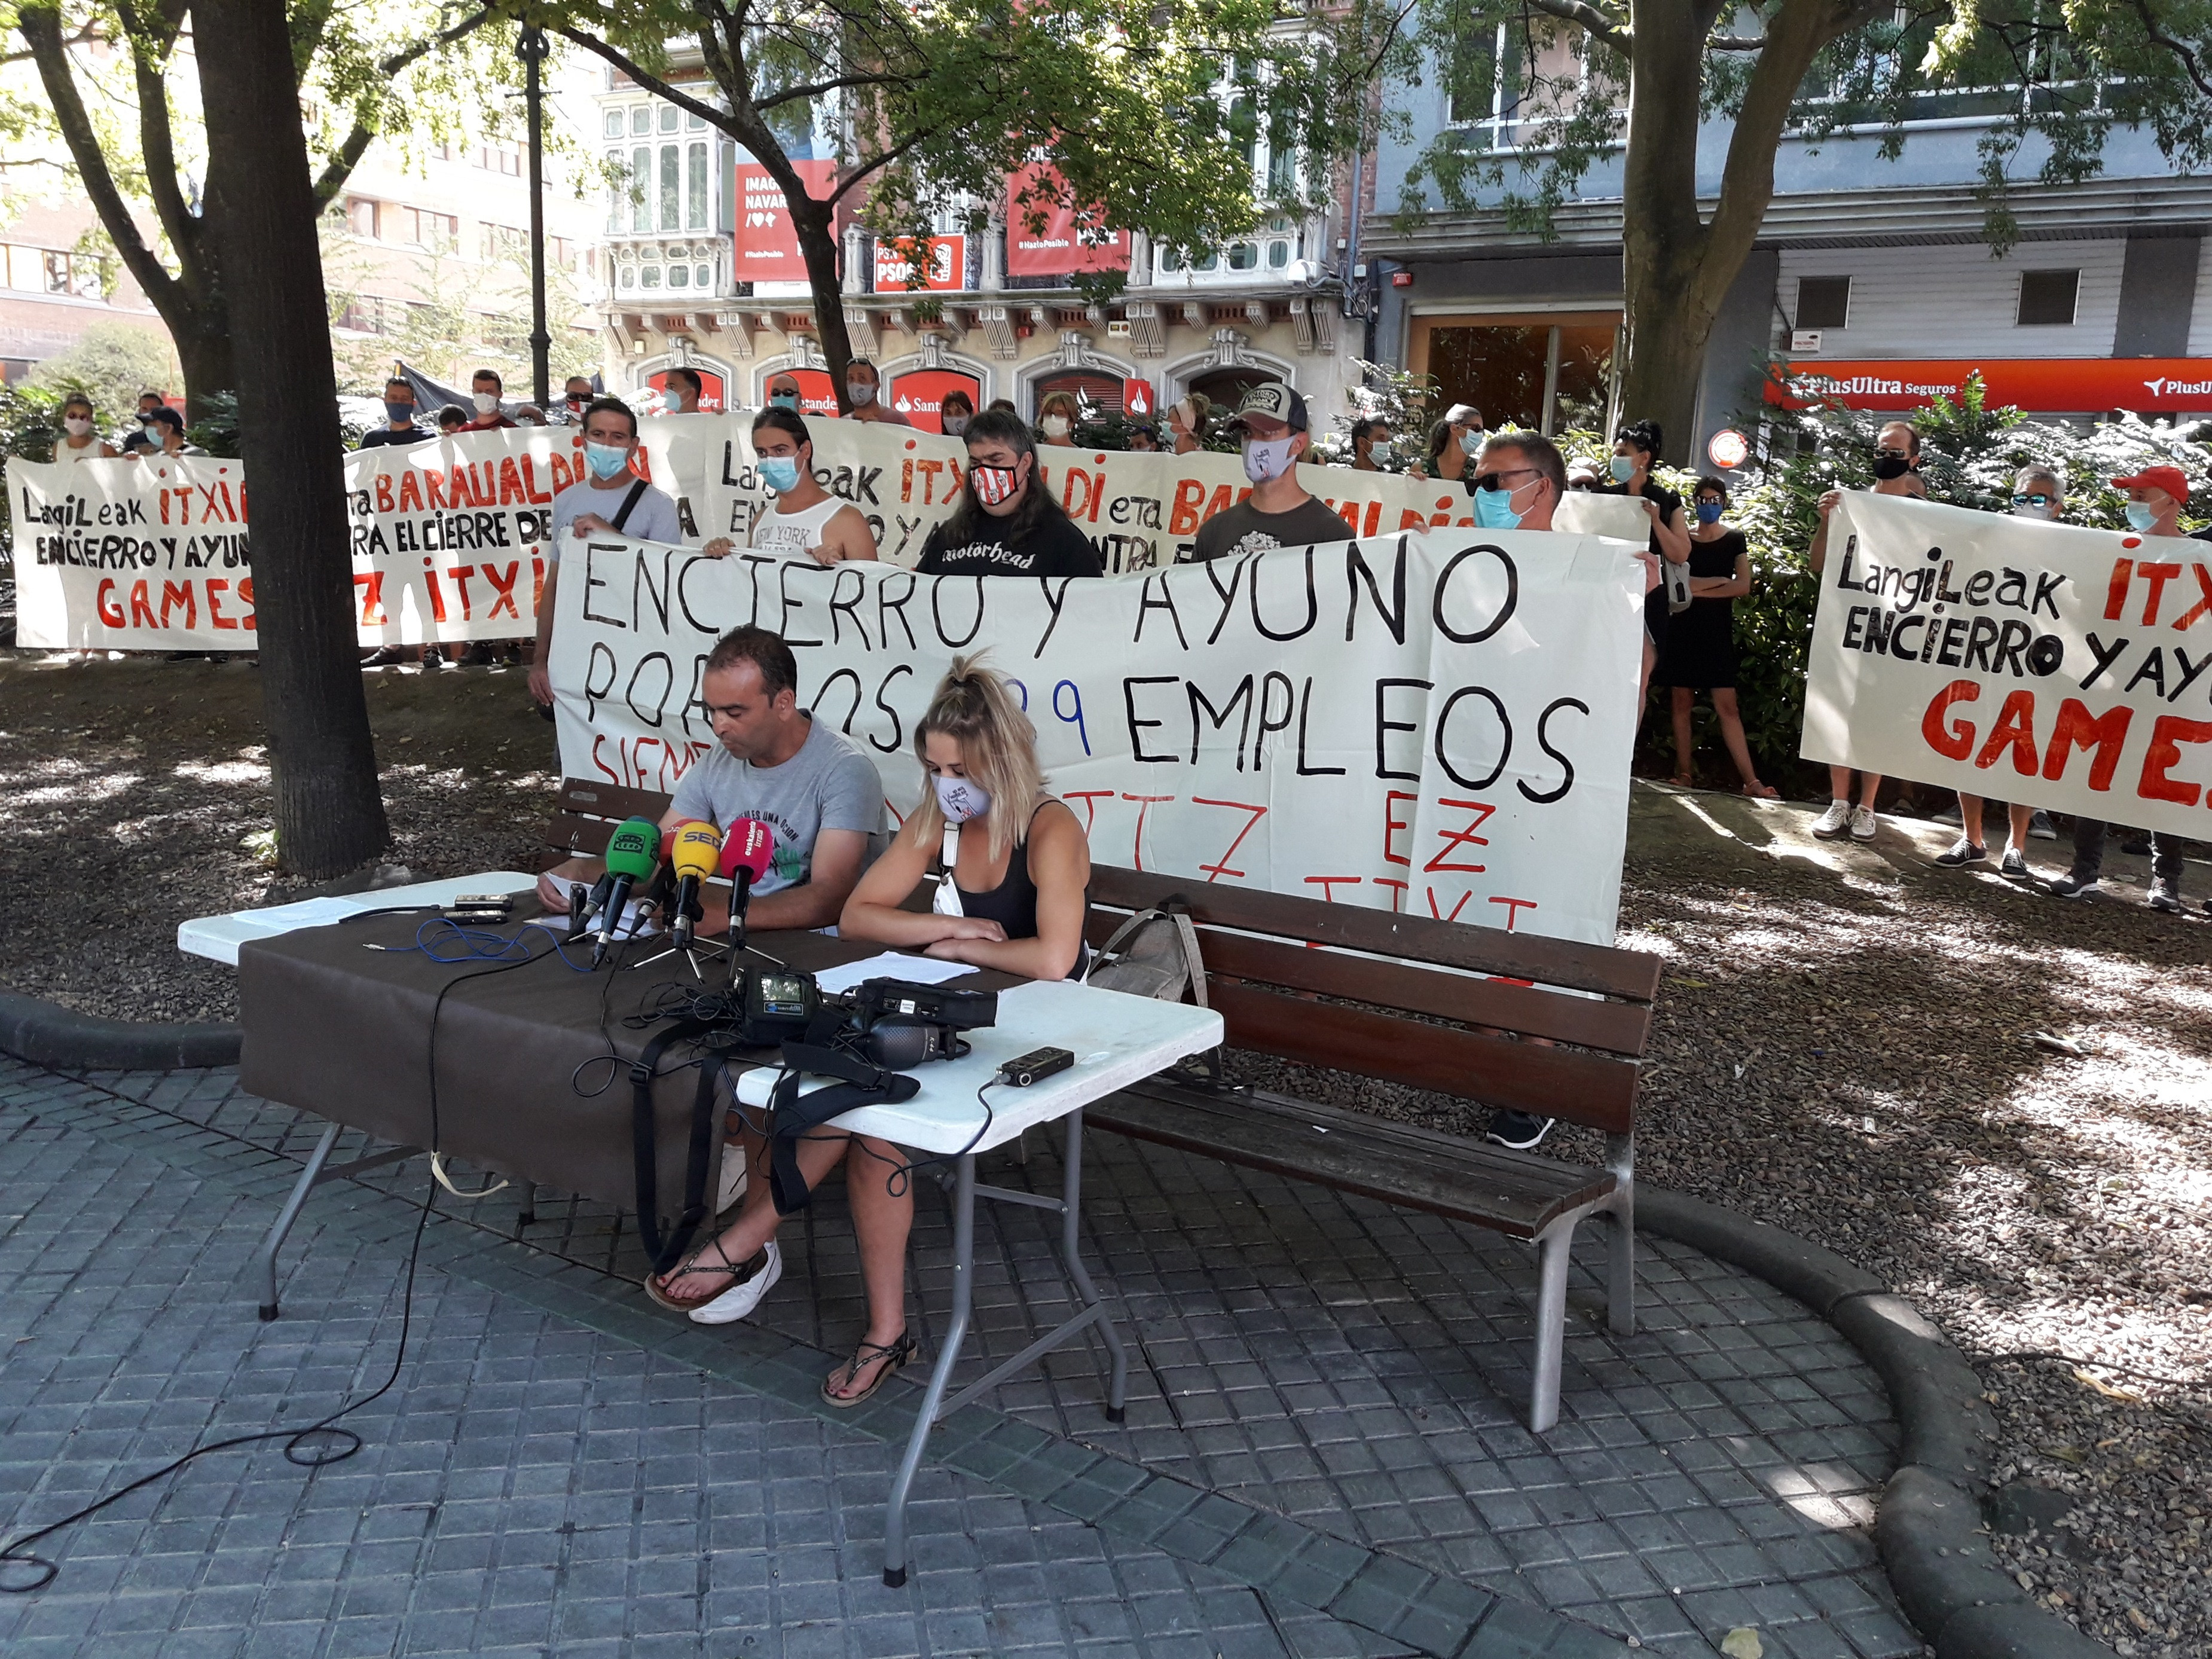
1887	467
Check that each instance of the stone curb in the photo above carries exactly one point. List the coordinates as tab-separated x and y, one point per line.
61	1039
1928	1526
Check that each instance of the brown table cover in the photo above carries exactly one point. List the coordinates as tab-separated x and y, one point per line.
345	1032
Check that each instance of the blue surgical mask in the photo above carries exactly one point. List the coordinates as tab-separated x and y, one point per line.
784	400
1471	441
779	472
2142	515
1709	512
605	460
1623	468
1493	510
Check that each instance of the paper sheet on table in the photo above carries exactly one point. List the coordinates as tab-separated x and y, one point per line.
922	971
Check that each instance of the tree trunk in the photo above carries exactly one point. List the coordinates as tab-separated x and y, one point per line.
204	349
329	812
1677	266
1663	240
818	246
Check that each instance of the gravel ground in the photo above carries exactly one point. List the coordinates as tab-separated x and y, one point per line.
134	794
1841	1048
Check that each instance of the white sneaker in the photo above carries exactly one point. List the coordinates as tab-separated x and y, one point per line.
739	1300
732	1187
1864	824
1831	823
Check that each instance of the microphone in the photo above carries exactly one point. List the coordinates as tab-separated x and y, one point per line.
632	852
693	850
748	853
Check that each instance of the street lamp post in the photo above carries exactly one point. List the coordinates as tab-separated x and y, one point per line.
531	48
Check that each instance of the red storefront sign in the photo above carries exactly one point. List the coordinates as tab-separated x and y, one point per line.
767	244
920	396
1058	248
2042	385
948	258
710	388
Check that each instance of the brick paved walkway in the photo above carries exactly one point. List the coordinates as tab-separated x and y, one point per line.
1322	1454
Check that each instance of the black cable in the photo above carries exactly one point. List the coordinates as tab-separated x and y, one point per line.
349	1443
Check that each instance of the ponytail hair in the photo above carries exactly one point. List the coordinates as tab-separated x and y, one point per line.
973	705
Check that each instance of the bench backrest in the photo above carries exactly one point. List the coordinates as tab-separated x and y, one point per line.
1439	1006
1434	1005
585	813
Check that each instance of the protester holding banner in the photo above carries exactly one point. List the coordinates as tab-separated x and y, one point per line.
485	390
683	387
2038	493
863	395
1896	456
1700	654
1056	418
2156	497
399	426
1007	523
1371	444
807	522
1272	421
575	394
1187	422
171	427
1634	447
1454	441
79	440
612	500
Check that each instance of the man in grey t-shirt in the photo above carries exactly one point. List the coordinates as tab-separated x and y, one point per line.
811	785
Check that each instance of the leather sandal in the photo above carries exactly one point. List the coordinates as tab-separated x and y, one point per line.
892	1354
692	1264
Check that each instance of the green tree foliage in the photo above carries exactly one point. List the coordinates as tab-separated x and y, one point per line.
121	92
112	363
1152	112
1541	92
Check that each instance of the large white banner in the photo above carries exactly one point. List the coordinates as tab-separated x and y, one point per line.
1437	724
2017	660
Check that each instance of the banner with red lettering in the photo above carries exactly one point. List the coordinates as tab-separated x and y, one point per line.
2017	660
1433	724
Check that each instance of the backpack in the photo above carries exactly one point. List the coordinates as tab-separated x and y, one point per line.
1153	954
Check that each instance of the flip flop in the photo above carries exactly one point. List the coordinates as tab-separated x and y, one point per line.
1762	792
893	1355
692	1264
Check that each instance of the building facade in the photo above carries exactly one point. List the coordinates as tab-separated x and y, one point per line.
51	288
1871	280
694	277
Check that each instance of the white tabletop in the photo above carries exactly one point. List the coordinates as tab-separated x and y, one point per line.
1117	1039
218	937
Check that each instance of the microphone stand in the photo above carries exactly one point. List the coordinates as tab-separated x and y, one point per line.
684	941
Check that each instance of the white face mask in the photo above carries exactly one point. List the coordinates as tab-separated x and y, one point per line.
1055	426
954	425
1267	458
960	799
486	401
2030	510
80	426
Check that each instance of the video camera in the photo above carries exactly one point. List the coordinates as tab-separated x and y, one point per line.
898	1023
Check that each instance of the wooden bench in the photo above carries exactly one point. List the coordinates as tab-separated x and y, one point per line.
1505	1020
1434	1005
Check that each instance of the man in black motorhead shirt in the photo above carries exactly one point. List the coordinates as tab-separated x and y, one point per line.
1007	523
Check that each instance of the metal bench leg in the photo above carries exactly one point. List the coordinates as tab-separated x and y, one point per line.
1555	1246
1620	1240
528	1213
265	1261
948	1356
1071	1255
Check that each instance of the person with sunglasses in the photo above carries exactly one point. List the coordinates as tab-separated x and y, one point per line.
1007	523
1896	459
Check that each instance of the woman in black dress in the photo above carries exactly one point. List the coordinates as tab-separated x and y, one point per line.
1699	651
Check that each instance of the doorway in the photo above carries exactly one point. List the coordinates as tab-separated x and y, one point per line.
1553	373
